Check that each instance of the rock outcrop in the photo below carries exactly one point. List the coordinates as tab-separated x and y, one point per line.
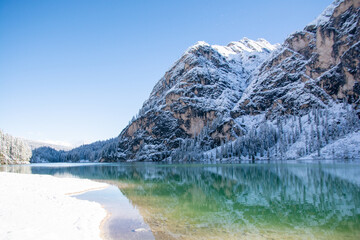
314	67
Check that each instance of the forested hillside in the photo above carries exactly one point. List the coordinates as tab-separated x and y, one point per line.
13	150
93	152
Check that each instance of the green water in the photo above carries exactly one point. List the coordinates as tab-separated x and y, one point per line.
242	201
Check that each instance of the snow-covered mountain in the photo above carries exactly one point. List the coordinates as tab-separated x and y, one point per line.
38	144
196	94
252	99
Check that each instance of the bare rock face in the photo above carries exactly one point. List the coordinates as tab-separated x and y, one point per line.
314	67
203	86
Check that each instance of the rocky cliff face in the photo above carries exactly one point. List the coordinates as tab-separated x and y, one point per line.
314	67
216	94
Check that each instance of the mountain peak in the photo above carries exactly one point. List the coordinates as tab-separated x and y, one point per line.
197	46
245	45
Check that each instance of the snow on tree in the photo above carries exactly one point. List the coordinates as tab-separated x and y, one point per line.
13	150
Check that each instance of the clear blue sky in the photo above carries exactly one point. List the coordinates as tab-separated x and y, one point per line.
78	70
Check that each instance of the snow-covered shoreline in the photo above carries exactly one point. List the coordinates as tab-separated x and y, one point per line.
40	207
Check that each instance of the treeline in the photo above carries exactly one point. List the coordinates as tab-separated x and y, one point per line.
286	137
13	150
90	152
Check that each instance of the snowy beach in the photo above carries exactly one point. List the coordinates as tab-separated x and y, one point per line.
41	207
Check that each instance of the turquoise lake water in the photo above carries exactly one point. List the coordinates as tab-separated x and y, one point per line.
225	201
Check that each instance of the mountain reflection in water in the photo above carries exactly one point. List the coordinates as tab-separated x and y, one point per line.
242	201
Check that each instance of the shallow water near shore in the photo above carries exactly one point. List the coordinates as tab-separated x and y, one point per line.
124	220
223	201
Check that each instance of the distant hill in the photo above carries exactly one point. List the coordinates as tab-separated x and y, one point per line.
37	144
93	152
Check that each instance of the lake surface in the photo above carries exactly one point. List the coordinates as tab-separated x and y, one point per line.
225	201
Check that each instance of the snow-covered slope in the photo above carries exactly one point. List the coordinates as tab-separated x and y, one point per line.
346	147
214	74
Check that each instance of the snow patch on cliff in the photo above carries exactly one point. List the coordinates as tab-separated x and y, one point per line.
326	14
